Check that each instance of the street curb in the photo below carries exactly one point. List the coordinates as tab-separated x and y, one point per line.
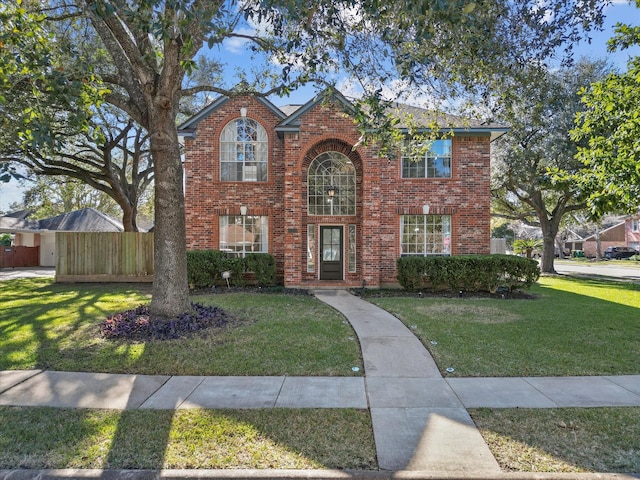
27	474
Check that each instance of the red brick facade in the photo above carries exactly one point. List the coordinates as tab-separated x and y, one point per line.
382	196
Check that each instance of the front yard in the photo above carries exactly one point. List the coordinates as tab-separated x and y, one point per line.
573	327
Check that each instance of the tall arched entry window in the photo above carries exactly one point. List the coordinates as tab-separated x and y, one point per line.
332	185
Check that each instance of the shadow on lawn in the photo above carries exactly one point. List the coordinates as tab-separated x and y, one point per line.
35	318
143	438
152	432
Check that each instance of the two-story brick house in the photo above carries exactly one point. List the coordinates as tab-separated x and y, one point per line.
296	182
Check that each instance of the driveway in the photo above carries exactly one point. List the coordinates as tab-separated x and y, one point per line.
26	272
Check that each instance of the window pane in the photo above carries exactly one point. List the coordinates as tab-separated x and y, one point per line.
425	234
332	169
439	159
435	163
242	234
352	248
311	248
244	141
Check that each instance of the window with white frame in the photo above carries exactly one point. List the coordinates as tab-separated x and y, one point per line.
425	235
434	163
241	234
635	225
332	185
243	151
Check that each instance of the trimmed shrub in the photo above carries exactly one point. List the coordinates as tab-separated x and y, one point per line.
471	273
205	268
263	267
202	267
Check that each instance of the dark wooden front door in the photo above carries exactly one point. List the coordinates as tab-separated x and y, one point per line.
331	249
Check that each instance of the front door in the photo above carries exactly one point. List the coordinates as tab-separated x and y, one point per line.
331	248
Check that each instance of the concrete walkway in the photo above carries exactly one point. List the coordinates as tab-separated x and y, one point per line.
420	420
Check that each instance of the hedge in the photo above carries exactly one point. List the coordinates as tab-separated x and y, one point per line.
471	273
205	268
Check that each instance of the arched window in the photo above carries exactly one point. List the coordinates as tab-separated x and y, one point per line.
243	152
332	185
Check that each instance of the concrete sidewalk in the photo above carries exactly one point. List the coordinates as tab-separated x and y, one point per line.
123	392
419	419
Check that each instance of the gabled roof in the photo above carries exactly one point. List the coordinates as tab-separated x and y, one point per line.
19	214
445	122
84	220
292	122
604	231
291	115
188	127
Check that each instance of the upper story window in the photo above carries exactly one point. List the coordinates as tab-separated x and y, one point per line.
635	225
435	163
243	152
332	185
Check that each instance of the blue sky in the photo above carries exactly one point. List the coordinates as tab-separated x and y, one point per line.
233	54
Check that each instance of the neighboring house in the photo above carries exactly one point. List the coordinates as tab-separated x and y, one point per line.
41	233
622	234
298	183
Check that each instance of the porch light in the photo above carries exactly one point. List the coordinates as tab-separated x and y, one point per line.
331	191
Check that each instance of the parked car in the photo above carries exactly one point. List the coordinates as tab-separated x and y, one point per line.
619	252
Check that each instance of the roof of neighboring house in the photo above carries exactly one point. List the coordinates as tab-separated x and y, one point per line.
83	220
606	232
290	117
19	214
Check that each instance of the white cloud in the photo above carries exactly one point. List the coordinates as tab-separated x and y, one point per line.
237	45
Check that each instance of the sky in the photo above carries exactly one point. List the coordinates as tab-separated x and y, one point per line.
232	52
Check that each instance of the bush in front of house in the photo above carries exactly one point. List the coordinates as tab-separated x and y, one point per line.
263	266
470	273
205	268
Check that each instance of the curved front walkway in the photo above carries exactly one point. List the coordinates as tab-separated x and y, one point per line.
419	418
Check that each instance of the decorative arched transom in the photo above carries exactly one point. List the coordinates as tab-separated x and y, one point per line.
332	185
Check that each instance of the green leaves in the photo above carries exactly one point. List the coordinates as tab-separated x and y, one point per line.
609	129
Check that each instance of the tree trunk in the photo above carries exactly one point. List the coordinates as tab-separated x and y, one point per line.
550	227
128	217
548	255
170	287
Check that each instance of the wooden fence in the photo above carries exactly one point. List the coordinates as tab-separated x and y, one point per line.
104	257
12	257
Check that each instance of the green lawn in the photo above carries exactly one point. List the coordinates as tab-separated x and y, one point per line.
194	439
563	439
574	327
53	326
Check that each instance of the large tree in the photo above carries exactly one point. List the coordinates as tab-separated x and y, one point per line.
432	45
111	156
609	128
50	196
532	178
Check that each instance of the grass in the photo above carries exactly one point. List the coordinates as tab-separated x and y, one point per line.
563	440
190	439
574	327
53	326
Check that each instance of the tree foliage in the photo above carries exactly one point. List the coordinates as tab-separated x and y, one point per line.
609	128
535	164
48	197
433	46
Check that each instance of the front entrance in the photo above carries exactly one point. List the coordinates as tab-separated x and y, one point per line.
331	249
